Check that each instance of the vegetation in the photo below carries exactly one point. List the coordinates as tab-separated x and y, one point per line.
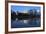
24	15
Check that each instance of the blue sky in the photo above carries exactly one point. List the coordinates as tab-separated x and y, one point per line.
24	8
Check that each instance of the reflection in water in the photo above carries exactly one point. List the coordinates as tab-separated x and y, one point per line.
25	23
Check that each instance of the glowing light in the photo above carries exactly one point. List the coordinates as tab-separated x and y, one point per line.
25	21
24	12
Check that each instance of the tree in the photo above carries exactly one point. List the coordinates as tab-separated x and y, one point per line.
13	15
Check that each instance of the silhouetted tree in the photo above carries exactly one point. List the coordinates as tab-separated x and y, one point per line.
13	15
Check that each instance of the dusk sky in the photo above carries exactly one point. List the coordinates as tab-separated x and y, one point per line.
24	8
